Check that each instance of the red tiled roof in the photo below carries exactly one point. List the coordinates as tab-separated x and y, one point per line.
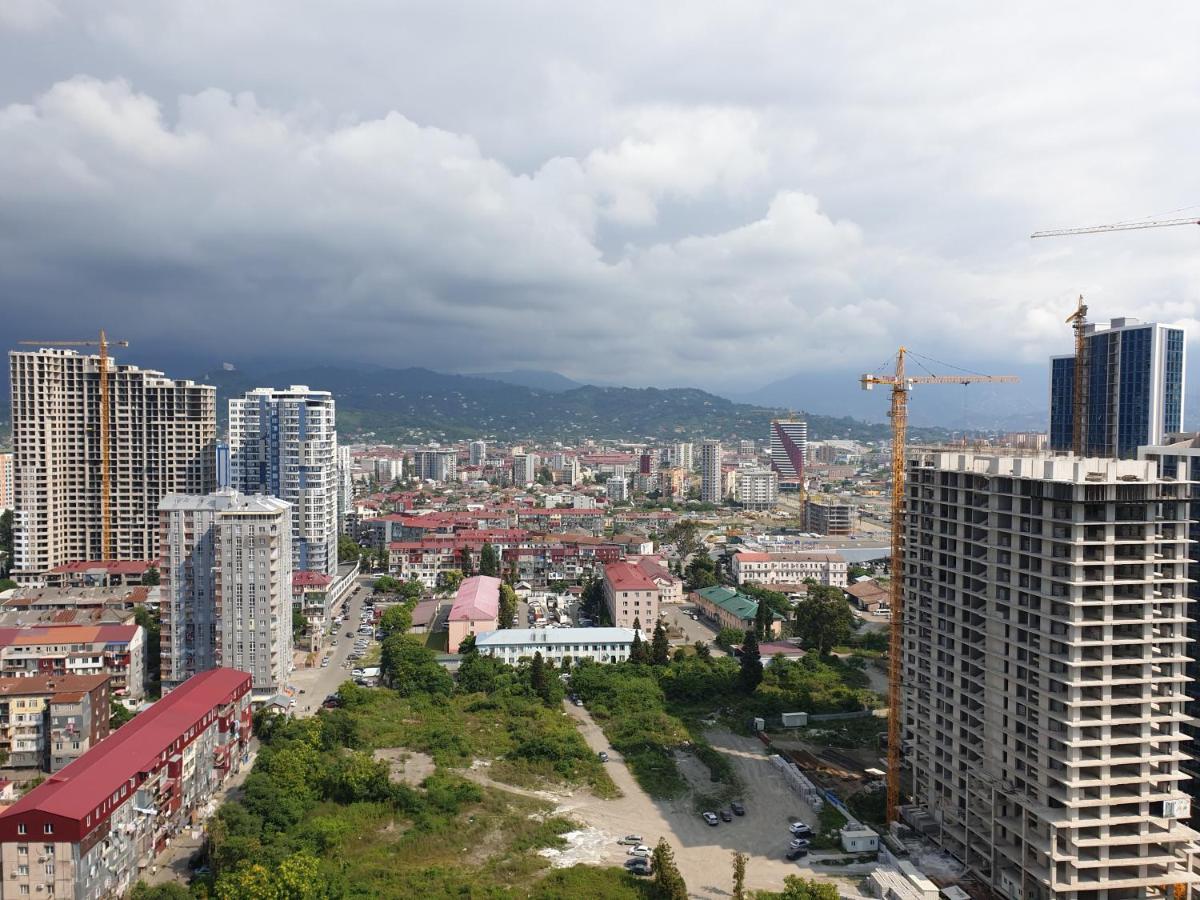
753	557
625	576
308	578
50	684
67	634
83	785
478	598
111	566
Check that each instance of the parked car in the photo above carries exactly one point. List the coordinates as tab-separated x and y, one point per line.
603	756
640	850
631	839
726	816
798	844
797	853
641	867
711	818
800	829
325	663
738	808
578	702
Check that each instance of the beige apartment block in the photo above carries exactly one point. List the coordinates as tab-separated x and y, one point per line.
1045	608
161	440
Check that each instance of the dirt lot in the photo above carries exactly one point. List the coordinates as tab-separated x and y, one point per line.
704	853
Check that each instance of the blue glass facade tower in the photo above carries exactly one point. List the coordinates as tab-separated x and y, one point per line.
1132	389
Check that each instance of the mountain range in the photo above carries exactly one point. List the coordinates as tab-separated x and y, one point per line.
417	404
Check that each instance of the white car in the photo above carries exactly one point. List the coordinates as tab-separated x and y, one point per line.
640	850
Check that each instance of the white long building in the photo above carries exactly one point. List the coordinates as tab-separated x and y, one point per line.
161	437
750	567
283	443
600	644
1045	608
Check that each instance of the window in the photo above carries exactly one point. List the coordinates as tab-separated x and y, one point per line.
21	828
22	870
48	828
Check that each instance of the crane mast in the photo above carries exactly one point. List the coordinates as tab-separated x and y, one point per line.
901	384
106	546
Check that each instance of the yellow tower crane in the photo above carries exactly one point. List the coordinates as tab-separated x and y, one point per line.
901	383
1078	321
106	547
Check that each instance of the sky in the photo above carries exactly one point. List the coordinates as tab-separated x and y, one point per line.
708	194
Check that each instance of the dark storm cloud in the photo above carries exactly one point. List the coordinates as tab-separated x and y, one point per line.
638	194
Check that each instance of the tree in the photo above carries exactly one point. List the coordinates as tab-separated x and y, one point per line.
592	599
412	668
824	619
168	891
751	673
119	714
727	637
386	584
152	578
637	650
396	619
739	876
668	881
411	589
684	534
544	475
700	573
702	650
465	562
489	560
539	680
797	888
660	649
348	549
449	580
150	623
299	623
466	647
508	605
7	540
7	584
764	618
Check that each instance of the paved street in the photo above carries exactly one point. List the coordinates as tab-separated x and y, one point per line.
317	682
679	615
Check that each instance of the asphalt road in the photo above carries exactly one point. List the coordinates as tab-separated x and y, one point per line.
679	615
317	682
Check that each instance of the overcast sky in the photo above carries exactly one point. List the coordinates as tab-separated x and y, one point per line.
717	194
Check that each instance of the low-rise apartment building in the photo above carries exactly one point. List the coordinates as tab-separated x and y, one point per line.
88	832
670	587
476	609
728	608
829	517
48	721
603	645
630	596
789	568
118	651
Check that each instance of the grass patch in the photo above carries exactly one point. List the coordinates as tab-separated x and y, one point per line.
828	833
438	641
844	734
529	744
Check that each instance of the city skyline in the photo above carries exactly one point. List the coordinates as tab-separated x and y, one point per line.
839	190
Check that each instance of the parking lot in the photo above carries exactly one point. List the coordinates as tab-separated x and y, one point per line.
704	853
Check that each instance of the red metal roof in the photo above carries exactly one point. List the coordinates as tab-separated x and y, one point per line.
477	598
625	576
307	578
83	785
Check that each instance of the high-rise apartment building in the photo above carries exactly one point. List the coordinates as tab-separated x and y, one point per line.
161	438
524	468
6	481
345	487
435	465
283	443
1132	388
1181	459
711	482
478	452
747	450
254	590
1045	646
757	488
682	456
789	448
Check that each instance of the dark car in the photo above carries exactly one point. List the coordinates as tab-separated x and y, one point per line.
726	816
738	808
603	756
797	853
641	867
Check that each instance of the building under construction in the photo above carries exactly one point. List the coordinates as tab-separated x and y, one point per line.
71	488
1043	686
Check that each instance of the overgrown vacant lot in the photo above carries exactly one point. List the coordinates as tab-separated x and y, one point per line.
530	743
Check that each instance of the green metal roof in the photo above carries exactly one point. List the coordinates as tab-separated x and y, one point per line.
735	602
